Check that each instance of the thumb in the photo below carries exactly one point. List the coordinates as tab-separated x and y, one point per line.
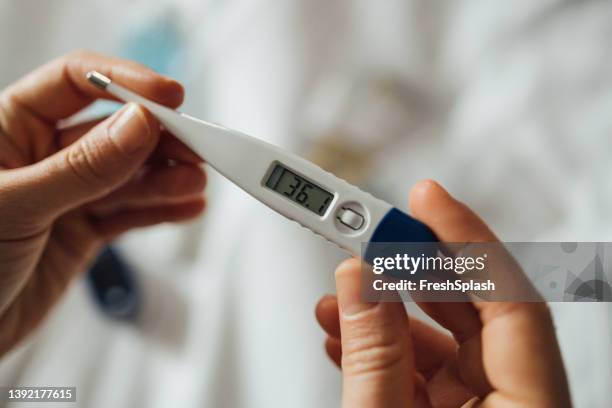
97	163
377	354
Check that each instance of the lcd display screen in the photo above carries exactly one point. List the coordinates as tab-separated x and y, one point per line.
299	190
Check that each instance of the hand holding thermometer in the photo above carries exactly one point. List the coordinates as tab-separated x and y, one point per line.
285	182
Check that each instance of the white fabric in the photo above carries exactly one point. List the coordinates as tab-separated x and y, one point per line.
519	128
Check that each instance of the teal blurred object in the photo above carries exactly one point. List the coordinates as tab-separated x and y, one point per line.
156	43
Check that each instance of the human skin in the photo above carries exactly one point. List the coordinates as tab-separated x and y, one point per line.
498	354
64	192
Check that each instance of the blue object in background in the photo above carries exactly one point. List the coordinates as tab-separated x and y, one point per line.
114	286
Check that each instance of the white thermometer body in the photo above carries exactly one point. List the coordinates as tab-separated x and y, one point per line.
286	182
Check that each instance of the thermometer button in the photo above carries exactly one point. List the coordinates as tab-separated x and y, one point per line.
350	218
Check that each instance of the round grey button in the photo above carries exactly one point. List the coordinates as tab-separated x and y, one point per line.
351	218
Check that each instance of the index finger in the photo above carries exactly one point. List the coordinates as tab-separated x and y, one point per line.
452	221
515	349
59	88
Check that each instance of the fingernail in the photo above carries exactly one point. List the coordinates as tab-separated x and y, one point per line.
348	285
130	130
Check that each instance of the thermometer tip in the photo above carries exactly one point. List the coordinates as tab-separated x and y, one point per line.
98	79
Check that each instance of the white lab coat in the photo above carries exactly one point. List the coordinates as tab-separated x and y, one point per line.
516	131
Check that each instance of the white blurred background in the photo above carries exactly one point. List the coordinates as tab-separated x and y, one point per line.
507	104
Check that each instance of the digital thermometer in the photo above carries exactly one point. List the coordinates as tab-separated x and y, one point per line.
285	182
